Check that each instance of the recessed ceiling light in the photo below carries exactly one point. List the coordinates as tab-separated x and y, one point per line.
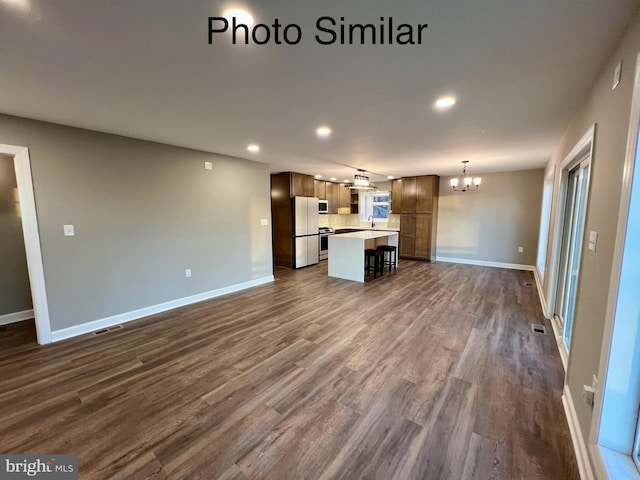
24	5
318	176
347	181
333	179
444	102
390	177
241	16
323	131
21	3
253	148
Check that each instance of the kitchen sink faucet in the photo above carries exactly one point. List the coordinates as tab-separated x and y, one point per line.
371	218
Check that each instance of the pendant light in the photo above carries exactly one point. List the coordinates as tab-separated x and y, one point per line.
361	182
468	183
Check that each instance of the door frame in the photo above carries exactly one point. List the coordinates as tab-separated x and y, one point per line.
576	156
574	252
31	232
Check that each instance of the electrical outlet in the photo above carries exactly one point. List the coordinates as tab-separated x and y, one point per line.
208	165
520	249
69	230
264	222
587	395
187	273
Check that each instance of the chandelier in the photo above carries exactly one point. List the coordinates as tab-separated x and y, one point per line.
361	182
468	183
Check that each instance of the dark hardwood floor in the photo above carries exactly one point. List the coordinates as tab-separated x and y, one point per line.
428	373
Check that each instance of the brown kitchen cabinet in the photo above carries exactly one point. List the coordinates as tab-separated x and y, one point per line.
396	196
418	219
345	199
291	184
426	190
423	237
408	195
302	185
333	197
407	235
320	189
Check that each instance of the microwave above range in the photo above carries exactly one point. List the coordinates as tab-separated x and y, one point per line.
323	206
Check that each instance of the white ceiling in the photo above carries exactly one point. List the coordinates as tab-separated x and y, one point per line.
144	69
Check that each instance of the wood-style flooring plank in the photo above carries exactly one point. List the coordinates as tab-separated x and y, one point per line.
430	372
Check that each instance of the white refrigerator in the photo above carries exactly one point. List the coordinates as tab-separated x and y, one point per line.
305	228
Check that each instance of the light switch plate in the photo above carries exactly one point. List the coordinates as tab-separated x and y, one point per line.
593	240
616	75
264	222
208	165
520	249
69	230
187	273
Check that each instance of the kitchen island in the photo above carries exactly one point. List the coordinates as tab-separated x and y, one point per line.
346	252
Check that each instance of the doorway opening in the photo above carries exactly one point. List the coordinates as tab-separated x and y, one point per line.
15	291
31	234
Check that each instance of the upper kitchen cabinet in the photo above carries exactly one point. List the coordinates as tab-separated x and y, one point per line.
417	194
302	185
333	197
396	196
426	191
345	200
291	184
320	189
408	195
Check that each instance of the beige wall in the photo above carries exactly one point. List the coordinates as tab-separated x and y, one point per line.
610	110
143	213
490	224
15	292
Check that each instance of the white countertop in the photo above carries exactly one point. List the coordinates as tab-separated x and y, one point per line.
376	229
366	234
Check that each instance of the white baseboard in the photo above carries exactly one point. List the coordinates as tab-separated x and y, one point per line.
579	446
89	327
512	266
16	317
543	302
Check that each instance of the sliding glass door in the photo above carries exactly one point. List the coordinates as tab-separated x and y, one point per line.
571	248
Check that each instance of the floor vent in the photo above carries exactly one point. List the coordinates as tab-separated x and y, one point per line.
538	328
106	330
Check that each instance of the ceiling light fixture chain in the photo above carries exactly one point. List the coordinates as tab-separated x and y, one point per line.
468	183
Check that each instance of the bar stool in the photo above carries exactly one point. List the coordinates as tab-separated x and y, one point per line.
377	261
392	251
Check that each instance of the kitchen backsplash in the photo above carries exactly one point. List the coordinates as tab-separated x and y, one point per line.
338	221
342	221
394	220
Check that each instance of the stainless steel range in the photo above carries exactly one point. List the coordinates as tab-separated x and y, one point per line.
324	232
